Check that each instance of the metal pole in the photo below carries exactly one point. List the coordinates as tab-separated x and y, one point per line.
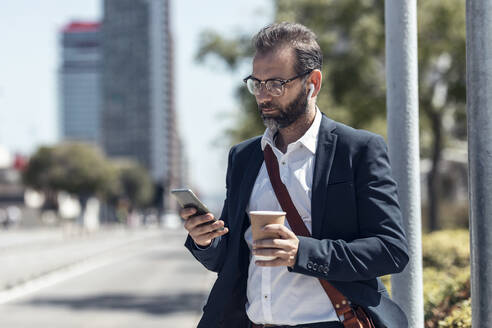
479	116
403	140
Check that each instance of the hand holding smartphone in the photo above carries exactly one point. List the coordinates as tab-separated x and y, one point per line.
186	198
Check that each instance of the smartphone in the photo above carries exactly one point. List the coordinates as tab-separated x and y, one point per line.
186	198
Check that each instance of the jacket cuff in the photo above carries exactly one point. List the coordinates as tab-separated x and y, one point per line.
202	252
202	248
306	263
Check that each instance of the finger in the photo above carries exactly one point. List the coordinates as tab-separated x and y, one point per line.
272	243
282	230
208	227
192	223
185	213
271	252
211	235
272	263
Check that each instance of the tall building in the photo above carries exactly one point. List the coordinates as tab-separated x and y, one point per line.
139	119
80	82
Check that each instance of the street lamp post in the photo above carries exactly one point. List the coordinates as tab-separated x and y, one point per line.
479	116
403	140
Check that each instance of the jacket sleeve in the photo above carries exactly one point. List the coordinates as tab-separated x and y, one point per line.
380	247
212	257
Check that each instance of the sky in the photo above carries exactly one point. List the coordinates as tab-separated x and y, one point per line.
205	101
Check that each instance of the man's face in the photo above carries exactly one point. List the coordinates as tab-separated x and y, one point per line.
282	111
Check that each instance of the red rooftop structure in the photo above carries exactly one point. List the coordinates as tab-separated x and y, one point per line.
81	27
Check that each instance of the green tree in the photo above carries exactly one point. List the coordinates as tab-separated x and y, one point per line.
134	184
76	168
442	86
39	175
83	170
351	35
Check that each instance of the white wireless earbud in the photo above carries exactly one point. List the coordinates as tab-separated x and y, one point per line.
311	90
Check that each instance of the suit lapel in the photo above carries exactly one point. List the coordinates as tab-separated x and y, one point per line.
325	152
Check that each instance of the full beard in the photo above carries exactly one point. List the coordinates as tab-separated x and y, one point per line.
286	115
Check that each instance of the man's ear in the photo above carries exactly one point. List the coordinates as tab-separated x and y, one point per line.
315	79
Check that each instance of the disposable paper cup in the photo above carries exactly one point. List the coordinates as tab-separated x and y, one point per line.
259	219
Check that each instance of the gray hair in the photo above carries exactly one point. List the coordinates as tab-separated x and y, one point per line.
298	37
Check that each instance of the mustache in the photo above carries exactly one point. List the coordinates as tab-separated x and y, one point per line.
268	105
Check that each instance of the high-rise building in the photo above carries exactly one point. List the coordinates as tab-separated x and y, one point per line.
80	82
139	119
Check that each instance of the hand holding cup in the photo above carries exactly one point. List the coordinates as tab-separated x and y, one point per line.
273	243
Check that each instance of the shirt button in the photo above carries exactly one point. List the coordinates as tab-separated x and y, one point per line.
283	163
266	296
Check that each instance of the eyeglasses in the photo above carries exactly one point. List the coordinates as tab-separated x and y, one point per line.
275	87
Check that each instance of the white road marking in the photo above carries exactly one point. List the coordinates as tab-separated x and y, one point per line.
66	273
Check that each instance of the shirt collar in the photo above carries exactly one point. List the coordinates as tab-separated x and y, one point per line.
309	139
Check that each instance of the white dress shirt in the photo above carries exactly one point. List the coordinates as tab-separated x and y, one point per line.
275	295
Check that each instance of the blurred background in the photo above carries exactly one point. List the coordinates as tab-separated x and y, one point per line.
106	105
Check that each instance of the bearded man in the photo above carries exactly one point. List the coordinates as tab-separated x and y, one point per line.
338	180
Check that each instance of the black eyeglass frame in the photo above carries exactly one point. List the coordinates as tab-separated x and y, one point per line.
282	82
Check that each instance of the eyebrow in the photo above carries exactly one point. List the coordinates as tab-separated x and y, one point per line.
272	78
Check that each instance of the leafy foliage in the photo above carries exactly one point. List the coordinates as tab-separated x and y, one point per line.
447	249
443	290
442	68
135	184
446	259
38	173
231	51
73	167
83	170
461	316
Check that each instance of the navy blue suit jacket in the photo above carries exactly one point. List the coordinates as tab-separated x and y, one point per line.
357	232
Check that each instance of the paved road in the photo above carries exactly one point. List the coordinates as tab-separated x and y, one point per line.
25	255
148	282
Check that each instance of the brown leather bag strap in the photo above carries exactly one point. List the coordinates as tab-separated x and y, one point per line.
340	302
282	194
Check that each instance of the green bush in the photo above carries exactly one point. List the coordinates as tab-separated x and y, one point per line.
446	261
461	316
446	249
442	292
446	271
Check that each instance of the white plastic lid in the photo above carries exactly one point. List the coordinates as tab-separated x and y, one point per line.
267	213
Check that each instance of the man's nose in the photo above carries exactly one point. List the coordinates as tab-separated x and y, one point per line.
263	95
